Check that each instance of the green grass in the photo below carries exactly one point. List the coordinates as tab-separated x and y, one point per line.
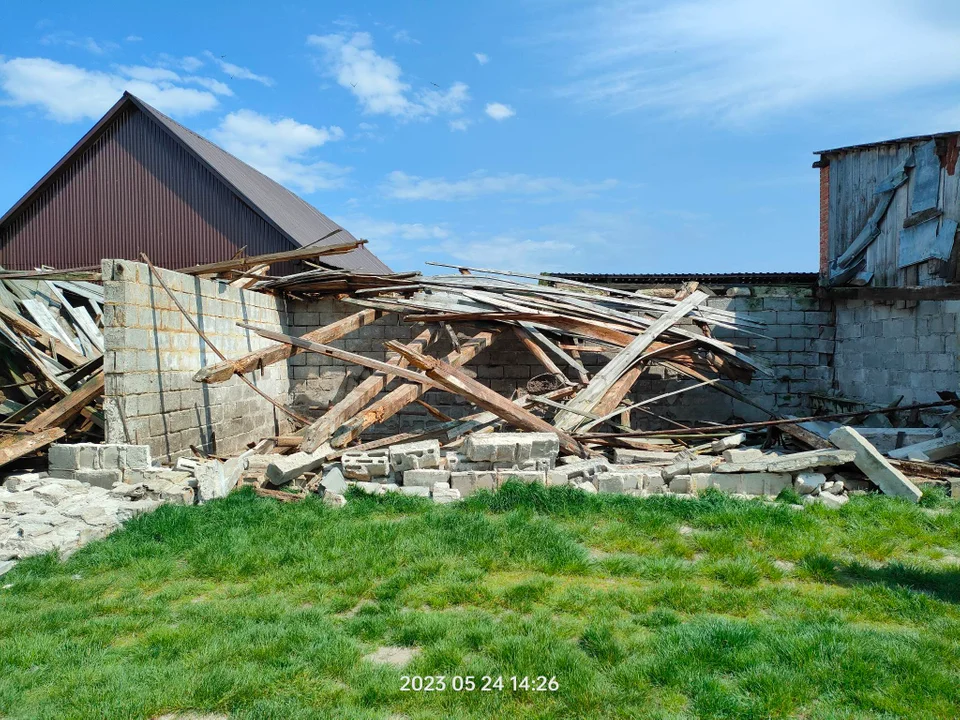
641	608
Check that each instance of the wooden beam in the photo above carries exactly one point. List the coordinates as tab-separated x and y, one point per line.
53	344
19	445
540	354
320	430
459	383
252	261
223	371
612	398
342	355
68	407
588	398
397	399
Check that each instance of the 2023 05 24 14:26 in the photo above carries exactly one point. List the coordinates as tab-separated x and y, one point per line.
471	683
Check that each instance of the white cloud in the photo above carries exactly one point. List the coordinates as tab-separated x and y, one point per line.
148	74
401	186
236	72
482	58
499	111
281	149
376	81
402	36
190	63
70	39
741	59
522	254
68	93
210	84
388	230
459	125
133	38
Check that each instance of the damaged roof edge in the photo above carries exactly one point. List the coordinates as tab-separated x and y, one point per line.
758	278
881	143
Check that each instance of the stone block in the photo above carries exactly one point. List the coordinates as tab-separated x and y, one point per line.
511	447
806	483
577	472
745	455
99	478
623	456
728	443
457	462
415	491
617	482
681	484
523	476
74	456
135	457
425	478
469	481
752	484
333	481
415	456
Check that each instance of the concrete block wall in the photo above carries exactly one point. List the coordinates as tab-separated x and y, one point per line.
884	351
152	353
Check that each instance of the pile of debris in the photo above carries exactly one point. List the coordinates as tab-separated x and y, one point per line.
51	367
562	413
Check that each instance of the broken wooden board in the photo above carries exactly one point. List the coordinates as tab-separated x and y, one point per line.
223	371
20	445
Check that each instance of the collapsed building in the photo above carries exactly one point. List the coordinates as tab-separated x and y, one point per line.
297	371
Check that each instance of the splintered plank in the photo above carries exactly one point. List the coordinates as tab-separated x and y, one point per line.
51	342
601	383
68	407
540	354
223	371
252	261
21	445
398	398
456	381
318	432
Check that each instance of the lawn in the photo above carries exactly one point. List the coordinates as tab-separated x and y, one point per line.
656	607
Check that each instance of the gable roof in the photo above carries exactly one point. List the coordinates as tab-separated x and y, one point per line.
294	218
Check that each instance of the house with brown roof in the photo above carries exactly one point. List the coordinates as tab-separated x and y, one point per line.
141	182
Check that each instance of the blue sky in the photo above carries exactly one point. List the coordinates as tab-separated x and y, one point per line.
617	136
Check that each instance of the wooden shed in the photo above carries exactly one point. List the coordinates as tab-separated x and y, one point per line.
141	182
889	212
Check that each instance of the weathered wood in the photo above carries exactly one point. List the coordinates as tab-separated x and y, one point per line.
588	398
270	258
45	319
20	445
342	355
398	398
223	371
612	398
68	407
457	382
538	352
320	430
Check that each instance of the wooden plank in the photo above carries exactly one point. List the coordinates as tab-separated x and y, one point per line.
397	399
20	445
342	355
68	407
45	319
319	431
613	397
223	371
456	381
549	365
80	317
588	398
252	261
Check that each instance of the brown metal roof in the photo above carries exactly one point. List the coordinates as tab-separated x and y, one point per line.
881	143
298	221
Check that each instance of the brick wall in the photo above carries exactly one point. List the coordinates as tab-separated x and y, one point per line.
883	352
152	353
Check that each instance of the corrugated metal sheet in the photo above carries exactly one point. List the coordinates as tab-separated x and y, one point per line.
141	182
912	139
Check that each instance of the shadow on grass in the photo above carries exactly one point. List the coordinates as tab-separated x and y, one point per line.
942	584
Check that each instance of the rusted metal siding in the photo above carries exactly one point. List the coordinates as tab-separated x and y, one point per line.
853	177
134	190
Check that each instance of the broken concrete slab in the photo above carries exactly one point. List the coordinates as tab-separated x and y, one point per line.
100	478
932	450
575	472
442	493
415	456
469	481
697	464
806	483
286	468
651	457
333	480
415	491
752	484
794	462
728	443
742	456
872	464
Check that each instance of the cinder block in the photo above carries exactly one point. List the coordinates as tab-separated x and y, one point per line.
425	478
469	481
511	447
366	465
577	472
100	478
523	476
617	482
415	456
